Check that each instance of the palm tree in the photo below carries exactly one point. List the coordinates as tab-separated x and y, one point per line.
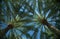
15	19
41	17
48	13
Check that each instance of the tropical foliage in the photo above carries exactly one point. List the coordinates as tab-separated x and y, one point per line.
30	19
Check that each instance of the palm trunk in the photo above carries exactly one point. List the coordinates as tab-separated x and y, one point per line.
10	26
53	29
